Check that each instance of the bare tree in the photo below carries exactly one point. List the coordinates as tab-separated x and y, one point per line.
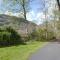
24	6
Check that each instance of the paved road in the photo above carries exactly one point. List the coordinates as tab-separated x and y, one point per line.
50	52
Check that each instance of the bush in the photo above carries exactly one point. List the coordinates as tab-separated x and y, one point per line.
34	36
40	35
9	37
50	35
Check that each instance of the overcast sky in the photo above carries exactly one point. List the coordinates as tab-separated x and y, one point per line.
35	13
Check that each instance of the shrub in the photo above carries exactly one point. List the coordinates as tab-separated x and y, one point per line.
40	35
9	37
34	36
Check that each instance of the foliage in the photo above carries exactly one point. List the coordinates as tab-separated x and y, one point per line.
40	35
9	37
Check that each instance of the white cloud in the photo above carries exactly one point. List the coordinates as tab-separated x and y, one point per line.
14	14
36	17
31	16
39	16
18	14
8	13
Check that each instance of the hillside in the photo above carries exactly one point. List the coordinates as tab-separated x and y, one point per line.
21	25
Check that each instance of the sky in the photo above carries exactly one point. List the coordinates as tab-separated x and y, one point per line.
35	4
36	12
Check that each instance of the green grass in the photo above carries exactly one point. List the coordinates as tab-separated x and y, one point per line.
20	52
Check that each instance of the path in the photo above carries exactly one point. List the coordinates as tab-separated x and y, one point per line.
50	52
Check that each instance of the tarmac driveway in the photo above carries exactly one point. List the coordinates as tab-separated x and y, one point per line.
49	52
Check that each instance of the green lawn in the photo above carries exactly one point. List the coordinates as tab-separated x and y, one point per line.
20	52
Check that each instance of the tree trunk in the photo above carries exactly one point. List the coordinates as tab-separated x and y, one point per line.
24	14
24	10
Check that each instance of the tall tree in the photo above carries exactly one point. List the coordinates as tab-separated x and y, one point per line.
24	6
46	19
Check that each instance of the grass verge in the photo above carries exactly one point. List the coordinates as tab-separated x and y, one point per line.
20	52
